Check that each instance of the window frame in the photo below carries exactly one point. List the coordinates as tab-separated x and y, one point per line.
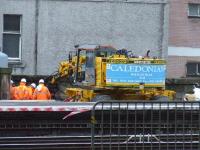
194	16
197	71
14	59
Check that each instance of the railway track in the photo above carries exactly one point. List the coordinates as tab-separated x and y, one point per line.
45	142
84	142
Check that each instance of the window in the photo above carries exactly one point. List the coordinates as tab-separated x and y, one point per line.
89	59
194	10
12	36
193	68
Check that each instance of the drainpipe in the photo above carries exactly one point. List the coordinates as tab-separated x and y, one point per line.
164	30
36	36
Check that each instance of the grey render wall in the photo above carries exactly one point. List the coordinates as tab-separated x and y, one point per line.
26	8
137	25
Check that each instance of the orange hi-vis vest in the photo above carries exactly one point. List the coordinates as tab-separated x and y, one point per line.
12	92
21	92
31	91
41	93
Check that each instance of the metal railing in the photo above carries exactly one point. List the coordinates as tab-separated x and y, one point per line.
146	125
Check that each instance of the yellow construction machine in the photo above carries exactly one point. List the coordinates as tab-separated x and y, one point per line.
97	72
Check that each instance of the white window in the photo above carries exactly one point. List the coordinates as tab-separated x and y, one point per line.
194	10
12	36
193	68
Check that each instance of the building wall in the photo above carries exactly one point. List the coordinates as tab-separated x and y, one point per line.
183	31
27	9
177	65
183	34
137	25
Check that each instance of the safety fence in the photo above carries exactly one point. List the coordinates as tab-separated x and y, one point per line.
117	125
146	125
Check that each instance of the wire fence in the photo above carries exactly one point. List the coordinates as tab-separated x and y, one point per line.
146	125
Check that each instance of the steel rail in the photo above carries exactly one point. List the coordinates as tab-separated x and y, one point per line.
36	143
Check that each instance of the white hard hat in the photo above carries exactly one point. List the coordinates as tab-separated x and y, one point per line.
33	85
23	80
11	81
41	81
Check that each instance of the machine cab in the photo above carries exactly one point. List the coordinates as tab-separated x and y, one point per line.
85	70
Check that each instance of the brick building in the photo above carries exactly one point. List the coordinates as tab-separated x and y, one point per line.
184	39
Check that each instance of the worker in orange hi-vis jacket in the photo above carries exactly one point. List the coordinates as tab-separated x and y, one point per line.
12	90
31	90
41	92
21	92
